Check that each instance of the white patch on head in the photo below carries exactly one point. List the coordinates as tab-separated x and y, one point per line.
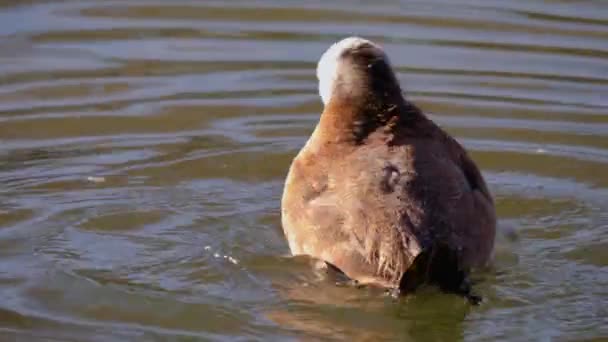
327	68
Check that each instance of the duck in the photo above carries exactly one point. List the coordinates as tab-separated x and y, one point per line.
381	193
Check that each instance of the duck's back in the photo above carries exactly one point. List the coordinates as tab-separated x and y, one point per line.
371	209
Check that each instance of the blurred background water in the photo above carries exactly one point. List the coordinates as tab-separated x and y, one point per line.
143	147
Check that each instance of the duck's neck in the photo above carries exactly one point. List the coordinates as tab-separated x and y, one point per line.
352	121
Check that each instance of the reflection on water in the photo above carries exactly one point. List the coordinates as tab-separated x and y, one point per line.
187	114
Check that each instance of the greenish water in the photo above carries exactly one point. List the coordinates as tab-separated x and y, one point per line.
191	111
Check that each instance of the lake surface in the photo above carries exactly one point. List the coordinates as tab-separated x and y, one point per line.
144	144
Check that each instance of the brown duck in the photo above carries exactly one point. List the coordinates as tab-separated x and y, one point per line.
379	191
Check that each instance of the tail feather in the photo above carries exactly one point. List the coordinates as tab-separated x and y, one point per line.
438	265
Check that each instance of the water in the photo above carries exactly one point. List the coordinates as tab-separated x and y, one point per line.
143	146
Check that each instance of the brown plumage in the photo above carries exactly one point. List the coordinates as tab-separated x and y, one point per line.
381	192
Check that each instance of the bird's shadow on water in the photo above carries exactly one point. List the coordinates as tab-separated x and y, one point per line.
317	302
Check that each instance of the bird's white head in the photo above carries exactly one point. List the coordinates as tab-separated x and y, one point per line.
329	64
